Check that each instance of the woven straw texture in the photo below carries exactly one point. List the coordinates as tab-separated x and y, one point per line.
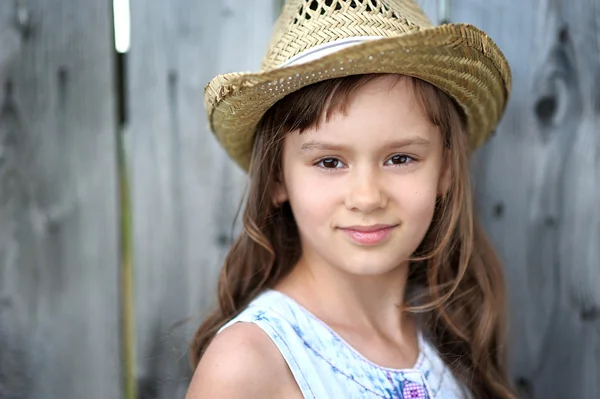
460	59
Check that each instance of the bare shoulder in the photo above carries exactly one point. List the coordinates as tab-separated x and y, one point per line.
242	362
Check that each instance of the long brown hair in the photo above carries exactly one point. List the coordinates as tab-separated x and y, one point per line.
461	302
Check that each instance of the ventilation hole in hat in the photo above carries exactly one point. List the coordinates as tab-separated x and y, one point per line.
313	8
310	9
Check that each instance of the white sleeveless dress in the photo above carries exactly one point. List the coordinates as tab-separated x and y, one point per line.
326	366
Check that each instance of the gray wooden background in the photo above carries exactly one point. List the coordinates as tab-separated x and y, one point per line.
537	185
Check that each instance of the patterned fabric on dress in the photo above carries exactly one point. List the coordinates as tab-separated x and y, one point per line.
326	366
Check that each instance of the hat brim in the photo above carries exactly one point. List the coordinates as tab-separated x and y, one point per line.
460	59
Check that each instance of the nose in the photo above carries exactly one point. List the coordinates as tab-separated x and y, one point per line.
366	193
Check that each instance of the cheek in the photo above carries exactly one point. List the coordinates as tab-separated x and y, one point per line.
417	203
312	201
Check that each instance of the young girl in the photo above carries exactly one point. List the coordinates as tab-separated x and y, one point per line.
360	271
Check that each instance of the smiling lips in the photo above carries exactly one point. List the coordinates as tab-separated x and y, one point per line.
368	235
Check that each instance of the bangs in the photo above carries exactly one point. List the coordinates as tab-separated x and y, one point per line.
312	105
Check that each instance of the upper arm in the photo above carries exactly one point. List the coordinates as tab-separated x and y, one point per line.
240	362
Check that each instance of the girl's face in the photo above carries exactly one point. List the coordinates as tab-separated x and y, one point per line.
363	185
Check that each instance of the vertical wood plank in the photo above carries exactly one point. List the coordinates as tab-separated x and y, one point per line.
10	39
537	189
185	191
59	335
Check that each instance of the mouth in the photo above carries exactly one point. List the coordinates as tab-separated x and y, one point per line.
368	235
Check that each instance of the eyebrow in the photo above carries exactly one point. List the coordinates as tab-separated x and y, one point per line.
324	146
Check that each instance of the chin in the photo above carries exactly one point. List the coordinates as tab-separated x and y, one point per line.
371	266
369	270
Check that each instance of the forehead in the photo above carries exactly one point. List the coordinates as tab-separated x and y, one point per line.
385	109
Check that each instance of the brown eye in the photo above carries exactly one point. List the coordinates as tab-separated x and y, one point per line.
330	163
399	160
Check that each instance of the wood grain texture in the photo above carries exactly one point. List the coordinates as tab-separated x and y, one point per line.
538	189
59	335
10	39
185	191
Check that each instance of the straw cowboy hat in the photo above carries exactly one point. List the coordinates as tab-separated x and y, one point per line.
316	40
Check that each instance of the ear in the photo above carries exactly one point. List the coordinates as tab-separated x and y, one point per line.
280	194
445	175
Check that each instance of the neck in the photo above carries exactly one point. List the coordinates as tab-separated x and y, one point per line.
353	301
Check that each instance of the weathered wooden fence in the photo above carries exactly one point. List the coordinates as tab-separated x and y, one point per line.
185	192
59	335
539	190
537	184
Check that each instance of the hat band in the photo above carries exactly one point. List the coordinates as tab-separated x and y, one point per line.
324	49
